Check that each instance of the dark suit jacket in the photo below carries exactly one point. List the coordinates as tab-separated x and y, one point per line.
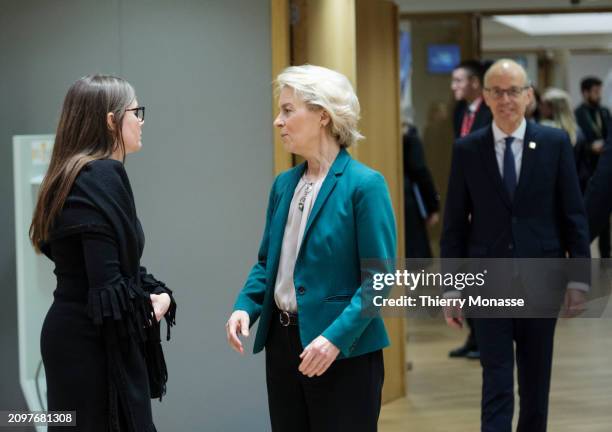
417	174
547	217
584	118
483	117
598	198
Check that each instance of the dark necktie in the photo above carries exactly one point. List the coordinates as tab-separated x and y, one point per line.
509	168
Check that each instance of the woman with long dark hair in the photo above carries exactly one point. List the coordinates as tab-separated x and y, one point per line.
100	341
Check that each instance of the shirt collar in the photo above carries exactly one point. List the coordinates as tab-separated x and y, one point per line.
519	133
473	107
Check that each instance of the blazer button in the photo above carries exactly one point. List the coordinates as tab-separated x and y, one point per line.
301	290
510	246
514	220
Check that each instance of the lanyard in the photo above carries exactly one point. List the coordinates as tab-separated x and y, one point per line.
596	123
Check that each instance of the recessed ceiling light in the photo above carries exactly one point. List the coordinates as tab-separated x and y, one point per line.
559	24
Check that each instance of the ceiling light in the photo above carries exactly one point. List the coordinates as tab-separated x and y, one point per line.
559	24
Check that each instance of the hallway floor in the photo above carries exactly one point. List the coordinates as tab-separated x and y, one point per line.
444	394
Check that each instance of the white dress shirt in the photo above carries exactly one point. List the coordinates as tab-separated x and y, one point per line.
517	147
473	107
284	290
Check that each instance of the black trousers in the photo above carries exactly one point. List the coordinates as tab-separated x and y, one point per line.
471	342
345	398
534	350
604	240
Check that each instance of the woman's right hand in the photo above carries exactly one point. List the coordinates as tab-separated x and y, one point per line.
237	322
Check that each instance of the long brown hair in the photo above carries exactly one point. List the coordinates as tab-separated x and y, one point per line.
83	135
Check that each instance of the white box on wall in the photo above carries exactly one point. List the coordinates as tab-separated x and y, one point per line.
35	280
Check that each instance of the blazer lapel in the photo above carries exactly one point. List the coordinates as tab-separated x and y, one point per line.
279	220
487	151
327	187
527	162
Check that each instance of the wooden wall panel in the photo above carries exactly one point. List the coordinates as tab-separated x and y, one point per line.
281	52
378	92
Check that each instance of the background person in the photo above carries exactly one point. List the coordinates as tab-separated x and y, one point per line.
421	199
471	111
557	113
598	200
513	193
594	121
533	112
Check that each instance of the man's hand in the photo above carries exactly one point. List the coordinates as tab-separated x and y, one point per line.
454	316
317	357
433	219
574	303
237	322
597	146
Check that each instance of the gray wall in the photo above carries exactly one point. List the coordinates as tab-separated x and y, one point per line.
202	68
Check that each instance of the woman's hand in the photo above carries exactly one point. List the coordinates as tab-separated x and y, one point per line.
317	357
161	303
237	322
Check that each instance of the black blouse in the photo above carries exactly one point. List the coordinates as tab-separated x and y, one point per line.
96	244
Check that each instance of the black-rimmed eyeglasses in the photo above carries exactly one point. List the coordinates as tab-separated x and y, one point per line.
512	92
138	112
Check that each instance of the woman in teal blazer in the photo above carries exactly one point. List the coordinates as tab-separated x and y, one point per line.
311	286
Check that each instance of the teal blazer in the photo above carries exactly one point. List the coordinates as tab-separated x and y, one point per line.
351	221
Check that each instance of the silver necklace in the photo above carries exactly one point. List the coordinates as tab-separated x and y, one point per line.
309	187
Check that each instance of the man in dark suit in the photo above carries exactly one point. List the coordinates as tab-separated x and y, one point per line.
598	200
594	121
471	111
514	193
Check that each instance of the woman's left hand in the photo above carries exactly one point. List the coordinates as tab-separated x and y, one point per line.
317	357
161	303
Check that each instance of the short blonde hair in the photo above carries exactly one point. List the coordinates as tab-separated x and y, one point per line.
329	90
561	107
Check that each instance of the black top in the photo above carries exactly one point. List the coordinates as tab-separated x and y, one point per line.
420	197
96	244
593	120
594	123
416	172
